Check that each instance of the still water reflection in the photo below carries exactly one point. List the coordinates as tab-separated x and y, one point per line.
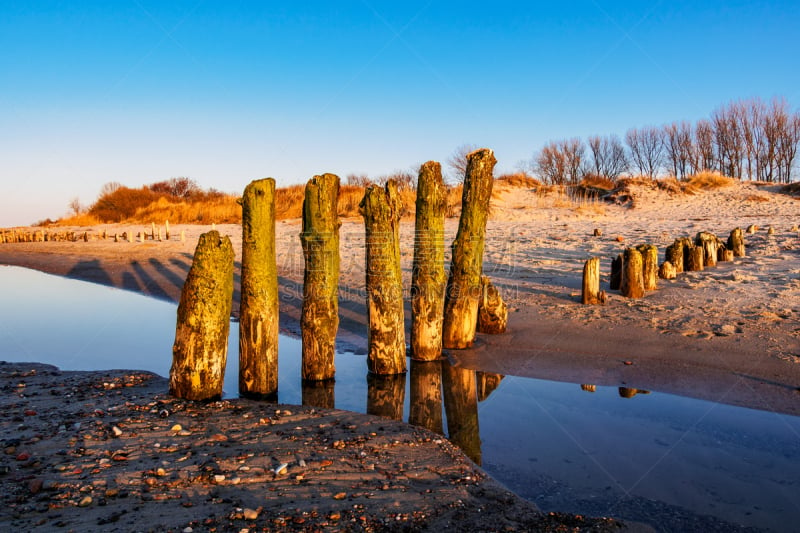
676	463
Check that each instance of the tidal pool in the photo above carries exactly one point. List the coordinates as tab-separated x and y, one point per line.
675	463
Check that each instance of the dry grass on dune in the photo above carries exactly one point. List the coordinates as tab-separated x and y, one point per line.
709	180
222	210
519	179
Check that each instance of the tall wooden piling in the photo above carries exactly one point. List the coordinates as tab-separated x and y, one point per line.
319	321
710	245
695	258
464	282
428	278
632	283
258	311
199	353
674	254
386	341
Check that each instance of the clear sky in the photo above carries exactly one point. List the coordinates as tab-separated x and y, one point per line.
138	91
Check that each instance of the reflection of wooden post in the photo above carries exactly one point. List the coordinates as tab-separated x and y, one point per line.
736	242
632	284
319	393
461	407
428	278
487	383
320	239
590	289
386	395
492	310
386	335
426	395
464	282
258	311
201	337
649	266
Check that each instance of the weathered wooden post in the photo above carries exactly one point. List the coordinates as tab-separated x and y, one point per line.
649	266
258	310
674	255
183	235
386	395
695	258
492	310
667	270
199	354
386	341
709	243
461	408
464	282
632	283
590	288
152	231
425	407
428	278
166	230
319	321
736	242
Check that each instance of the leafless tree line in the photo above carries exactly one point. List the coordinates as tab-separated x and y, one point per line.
748	139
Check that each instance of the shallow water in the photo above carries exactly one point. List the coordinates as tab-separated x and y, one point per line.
676	463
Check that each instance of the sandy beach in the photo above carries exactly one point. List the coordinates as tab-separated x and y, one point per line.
729	334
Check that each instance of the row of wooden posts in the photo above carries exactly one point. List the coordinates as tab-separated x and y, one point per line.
11	236
445	310
636	270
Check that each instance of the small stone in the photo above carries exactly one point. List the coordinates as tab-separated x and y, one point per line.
620	238
11	450
251	514
23	457
85	502
176	427
35	485
30	412
161	472
117	432
598	232
219	478
334	516
340	496
188	529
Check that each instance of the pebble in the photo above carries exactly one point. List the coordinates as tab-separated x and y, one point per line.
219	478
85	502
117	432
176	427
250	514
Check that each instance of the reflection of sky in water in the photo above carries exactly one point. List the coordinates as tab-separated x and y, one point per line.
564	448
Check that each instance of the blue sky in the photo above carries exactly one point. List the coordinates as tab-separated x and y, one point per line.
137	91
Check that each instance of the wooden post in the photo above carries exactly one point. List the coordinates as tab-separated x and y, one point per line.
492	310
632	284
319	321
736	242
152	231
199	354
258	309
674	255
183	235
428	278
695	258
464	282
386	395
386	340
709	243
425	407
461	408
166	230
590	289
649	266
667	270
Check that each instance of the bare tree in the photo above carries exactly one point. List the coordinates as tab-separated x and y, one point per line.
646	147
608	156
704	155
457	162
728	140
110	188
677	138
561	162
75	206
359	180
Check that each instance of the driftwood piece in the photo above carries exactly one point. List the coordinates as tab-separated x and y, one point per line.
632	284
258	309
492	310
200	351
319	321
386	344
428	278
425	407
736	242
464	282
